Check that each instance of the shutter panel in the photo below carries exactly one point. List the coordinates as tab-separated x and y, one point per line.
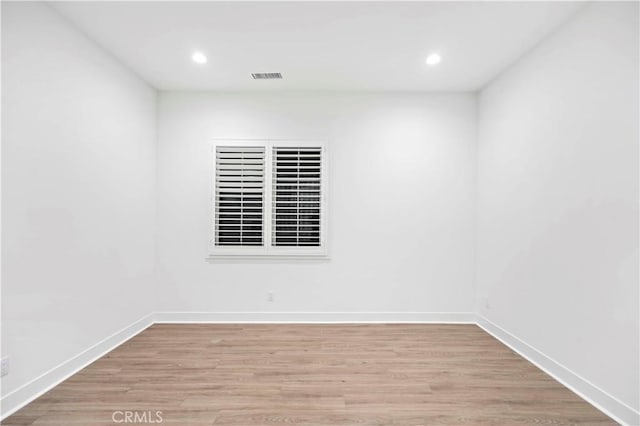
239	196
296	196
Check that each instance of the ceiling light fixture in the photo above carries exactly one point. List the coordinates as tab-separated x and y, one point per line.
433	59
199	58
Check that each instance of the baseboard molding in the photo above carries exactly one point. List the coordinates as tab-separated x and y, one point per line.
316	317
600	399
20	397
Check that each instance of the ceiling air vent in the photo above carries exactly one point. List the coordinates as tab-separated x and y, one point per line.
266	75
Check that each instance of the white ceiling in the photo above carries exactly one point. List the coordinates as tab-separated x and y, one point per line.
318	45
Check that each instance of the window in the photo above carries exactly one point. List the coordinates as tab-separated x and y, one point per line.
239	196
269	199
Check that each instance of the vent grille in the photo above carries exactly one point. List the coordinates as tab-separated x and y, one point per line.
266	75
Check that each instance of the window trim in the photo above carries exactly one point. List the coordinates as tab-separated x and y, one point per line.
267	251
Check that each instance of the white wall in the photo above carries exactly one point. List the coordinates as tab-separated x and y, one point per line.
401	169
558	199
78	188
557	184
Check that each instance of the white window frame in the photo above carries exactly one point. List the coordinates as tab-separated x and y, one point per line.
267	251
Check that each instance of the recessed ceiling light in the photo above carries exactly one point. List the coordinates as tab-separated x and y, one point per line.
199	58
433	59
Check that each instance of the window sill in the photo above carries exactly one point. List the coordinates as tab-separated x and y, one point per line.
267	258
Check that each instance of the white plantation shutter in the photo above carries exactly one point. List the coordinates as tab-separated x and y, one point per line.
296	196
268	199
239	195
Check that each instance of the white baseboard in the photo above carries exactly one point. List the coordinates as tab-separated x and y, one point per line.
600	399
316	317
26	393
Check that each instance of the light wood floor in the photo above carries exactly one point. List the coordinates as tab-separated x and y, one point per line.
393	374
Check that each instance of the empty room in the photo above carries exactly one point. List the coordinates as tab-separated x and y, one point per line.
320	213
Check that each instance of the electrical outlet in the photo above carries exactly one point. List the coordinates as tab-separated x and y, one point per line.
270	296
4	366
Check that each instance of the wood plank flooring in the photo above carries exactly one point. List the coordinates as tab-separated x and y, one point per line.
268	374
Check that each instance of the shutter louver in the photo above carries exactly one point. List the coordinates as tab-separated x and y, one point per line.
239	196
296	196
